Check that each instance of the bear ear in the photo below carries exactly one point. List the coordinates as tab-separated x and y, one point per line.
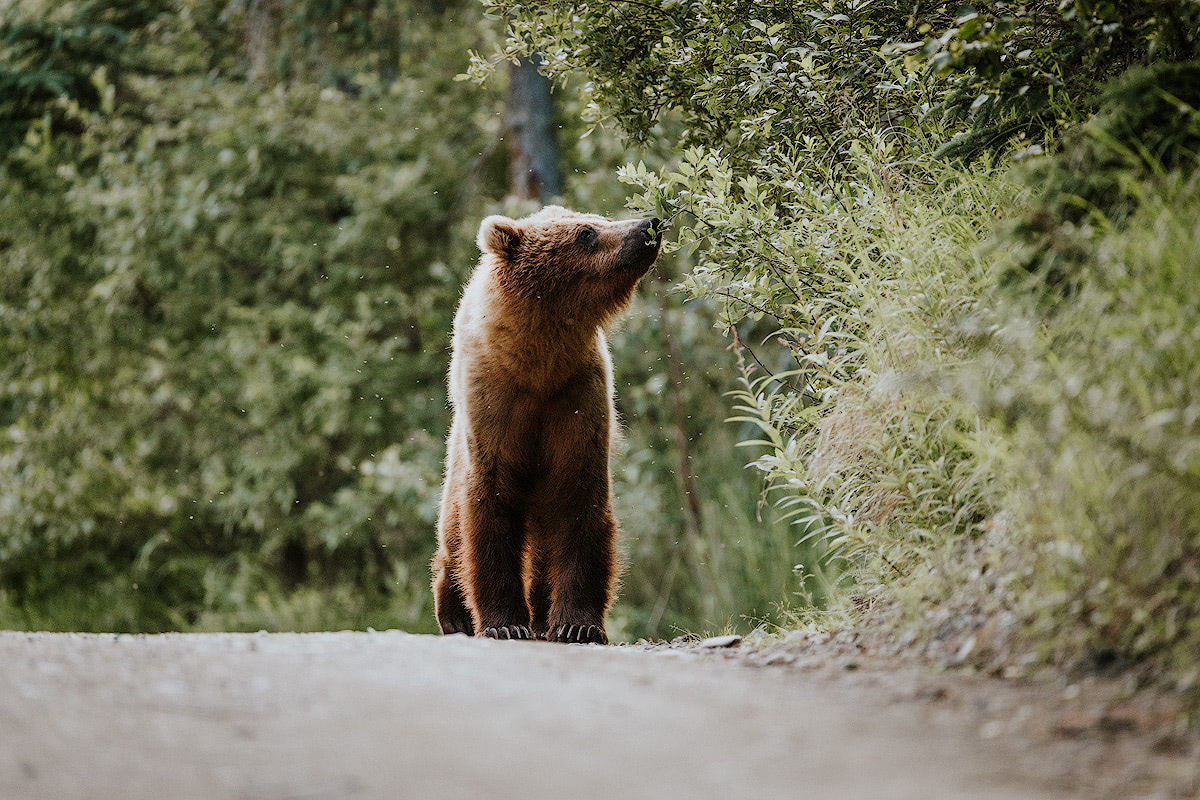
498	235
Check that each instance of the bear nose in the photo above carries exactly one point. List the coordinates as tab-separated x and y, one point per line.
655	224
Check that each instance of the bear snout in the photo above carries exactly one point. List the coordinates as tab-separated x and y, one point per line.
641	245
653	229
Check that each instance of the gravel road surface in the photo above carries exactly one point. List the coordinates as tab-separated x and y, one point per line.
393	715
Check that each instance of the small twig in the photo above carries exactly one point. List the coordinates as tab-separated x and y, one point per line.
757	308
738	346
646	6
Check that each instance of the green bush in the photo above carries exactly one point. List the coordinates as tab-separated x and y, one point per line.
1104	470
1092	373
1017	71
222	323
1146	126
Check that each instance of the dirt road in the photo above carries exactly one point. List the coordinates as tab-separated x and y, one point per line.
391	715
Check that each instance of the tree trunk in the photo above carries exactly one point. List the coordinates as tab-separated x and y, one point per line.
534	166
262	35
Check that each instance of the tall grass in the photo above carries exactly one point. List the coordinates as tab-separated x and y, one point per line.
732	568
870	447
1010	458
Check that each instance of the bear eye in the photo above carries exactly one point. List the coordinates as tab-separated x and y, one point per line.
587	237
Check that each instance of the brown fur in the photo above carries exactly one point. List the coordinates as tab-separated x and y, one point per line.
526	533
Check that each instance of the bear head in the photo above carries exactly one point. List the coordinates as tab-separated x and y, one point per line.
579	265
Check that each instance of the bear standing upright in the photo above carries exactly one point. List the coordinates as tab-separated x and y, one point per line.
526	533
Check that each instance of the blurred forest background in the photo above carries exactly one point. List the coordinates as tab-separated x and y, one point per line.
234	235
945	255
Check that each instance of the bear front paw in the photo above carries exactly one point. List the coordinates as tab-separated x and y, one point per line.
507	632
577	634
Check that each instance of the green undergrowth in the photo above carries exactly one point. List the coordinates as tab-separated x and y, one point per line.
1099	400
1005	445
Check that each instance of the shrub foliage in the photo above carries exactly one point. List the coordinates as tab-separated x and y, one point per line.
222	316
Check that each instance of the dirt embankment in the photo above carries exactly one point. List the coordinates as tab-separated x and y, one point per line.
390	715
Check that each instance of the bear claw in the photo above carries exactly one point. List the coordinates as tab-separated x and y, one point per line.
577	634
508	632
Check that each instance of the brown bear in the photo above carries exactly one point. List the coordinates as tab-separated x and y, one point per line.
526	533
